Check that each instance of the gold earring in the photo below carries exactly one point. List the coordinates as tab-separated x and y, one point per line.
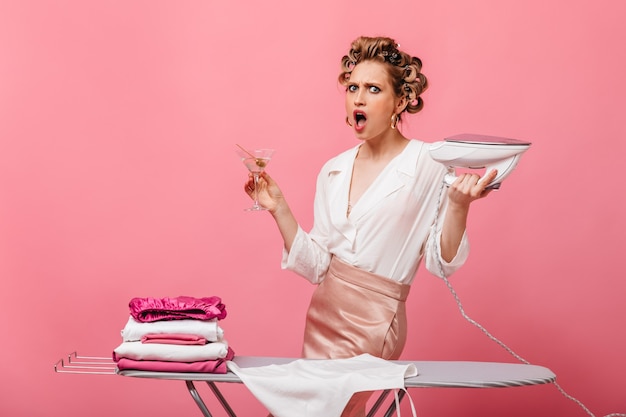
348	121
394	120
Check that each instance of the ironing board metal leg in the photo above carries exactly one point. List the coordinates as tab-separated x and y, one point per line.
378	403
196	397
221	398
392	406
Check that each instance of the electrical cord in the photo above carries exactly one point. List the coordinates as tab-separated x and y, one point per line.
495	339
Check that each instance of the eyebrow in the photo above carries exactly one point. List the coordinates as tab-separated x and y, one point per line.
366	84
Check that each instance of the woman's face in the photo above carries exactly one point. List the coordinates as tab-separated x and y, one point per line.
370	100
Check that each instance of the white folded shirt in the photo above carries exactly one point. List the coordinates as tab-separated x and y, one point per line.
171	353
209	329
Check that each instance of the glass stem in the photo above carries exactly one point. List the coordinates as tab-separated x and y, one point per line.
256	191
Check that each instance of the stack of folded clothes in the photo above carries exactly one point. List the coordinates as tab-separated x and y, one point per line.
180	334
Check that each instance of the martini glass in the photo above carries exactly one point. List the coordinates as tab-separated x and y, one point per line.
255	160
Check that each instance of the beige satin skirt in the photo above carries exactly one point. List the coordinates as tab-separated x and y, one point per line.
352	312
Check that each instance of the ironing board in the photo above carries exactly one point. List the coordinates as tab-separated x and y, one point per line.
442	374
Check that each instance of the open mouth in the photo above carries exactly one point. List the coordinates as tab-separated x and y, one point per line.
360	118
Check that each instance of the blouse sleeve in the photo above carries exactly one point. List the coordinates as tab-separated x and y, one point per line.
433	260
309	256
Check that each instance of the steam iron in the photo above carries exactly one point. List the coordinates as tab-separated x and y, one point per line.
479	151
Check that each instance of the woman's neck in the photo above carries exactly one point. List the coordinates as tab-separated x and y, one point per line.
383	148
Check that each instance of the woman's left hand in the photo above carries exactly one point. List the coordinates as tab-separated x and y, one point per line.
469	187
465	189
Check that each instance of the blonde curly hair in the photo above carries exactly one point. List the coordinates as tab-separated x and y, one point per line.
404	70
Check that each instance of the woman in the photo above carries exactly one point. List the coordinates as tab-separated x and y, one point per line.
380	208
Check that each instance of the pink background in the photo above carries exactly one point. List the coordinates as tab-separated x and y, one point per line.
118	178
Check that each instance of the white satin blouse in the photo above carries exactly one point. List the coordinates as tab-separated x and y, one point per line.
391	227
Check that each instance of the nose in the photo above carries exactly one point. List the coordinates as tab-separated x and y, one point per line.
359	98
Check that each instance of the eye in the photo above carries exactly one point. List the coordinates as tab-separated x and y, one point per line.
374	89
351	88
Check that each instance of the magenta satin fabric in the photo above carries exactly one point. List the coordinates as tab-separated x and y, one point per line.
178	308
217	366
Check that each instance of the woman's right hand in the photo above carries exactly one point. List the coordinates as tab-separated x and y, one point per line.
269	194
270	197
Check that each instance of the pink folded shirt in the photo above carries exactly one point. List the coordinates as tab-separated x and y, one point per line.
174	339
178	308
217	366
